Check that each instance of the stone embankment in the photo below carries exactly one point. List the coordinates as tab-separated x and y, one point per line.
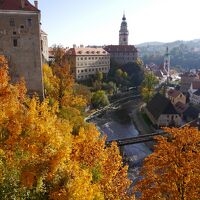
140	124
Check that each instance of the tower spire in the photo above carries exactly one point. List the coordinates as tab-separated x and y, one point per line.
123	32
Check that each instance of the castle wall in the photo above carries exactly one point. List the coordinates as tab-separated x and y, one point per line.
20	43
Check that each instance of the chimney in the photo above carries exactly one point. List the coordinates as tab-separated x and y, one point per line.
81	46
22	4
74	45
36	4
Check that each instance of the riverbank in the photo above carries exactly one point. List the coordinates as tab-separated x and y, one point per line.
140	124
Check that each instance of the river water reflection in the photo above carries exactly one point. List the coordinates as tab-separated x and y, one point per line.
134	153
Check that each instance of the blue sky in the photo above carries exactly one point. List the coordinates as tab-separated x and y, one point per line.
97	22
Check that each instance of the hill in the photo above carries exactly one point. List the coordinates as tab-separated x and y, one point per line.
184	54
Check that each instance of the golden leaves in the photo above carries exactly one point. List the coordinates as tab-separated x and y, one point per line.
39	152
172	171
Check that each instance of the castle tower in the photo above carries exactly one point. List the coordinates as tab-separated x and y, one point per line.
123	33
167	62
20	42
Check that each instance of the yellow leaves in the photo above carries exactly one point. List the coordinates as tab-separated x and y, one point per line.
173	168
38	147
4	78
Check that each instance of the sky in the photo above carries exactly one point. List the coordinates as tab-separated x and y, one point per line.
97	22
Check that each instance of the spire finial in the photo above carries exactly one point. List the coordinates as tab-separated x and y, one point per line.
124	18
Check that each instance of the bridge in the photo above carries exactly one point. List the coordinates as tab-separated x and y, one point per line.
137	139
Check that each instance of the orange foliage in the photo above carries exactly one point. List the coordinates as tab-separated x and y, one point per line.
40	156
173	170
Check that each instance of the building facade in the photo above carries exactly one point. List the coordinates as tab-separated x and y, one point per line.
186	79
44	47
86	62
161	112
123	53
176	96
20	42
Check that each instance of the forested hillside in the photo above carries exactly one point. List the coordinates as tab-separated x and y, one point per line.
184	54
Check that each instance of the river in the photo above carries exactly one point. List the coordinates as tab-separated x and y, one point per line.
115	127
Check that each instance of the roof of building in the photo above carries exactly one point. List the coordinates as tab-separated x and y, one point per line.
16	5
196	85
160	105
158	73
191	112
173	93
188	74
120	48
197	93
87	51
180	107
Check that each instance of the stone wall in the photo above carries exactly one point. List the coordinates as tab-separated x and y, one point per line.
20	43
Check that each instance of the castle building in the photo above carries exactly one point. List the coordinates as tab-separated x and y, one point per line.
122	53
20	42
86	62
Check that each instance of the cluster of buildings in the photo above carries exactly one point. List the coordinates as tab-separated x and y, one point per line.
85	62
25	46
177	106
163	71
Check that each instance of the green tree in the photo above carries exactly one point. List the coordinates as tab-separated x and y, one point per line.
99	98
148	86
99	76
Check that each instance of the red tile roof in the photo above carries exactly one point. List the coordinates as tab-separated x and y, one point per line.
196	85
173	93
87	51
180	107
120	48
16	5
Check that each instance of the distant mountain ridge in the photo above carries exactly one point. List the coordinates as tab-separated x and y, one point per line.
184	54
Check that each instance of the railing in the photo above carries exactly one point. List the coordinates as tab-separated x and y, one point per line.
137	139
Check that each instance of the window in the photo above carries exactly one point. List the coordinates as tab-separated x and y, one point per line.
29	22
14	32
22	26
15	42
12	22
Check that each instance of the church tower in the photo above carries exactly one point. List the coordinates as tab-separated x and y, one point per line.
167	62
123	33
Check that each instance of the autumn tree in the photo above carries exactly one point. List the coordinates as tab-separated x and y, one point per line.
40	158
148	86
172	172
58	53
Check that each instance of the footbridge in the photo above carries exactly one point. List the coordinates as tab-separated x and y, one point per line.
137	139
